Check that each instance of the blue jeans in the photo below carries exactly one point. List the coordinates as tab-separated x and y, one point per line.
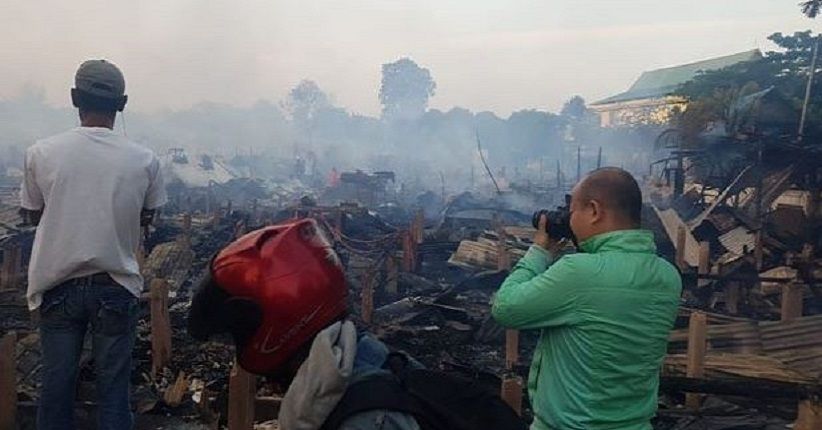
65	315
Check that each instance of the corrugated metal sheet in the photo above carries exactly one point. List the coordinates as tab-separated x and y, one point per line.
742	337
723	222
723	366
737	240
797	343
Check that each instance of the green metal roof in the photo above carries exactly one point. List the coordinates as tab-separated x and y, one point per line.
662	82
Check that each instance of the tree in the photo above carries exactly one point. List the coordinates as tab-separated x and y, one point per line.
304	102
574	108
405	90
786	70
811	8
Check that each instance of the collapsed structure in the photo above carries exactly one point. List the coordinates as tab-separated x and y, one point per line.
736	207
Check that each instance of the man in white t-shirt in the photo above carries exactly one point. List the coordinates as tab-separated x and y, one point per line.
89	191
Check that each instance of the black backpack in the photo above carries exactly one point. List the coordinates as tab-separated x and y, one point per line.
437	400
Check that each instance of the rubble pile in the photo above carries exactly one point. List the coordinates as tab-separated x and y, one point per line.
422	274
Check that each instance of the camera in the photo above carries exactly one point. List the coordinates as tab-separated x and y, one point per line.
559	221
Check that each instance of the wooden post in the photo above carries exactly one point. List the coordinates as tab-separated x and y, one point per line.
187	223
367	296
680	248
809	416
792	298
10	271
208	203
254	212
512	393
338	219
511	383
185	235
697	327
758	252
160	326
242	391
418	227
511	348
239	229
704	263
409	252
391	275
8	382
503	257
732	297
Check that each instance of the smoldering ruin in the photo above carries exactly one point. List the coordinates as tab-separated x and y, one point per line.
429	210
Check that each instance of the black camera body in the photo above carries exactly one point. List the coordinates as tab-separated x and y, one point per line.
559	221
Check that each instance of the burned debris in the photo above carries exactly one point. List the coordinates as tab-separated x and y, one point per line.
732	184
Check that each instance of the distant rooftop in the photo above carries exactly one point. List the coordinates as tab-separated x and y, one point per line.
663	82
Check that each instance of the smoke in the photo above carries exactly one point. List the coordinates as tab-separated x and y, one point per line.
438	150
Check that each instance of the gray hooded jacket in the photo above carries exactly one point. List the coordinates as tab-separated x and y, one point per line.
337	358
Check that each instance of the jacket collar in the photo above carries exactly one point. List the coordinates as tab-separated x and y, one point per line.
630	241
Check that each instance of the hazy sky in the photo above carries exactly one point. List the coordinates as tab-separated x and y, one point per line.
484	55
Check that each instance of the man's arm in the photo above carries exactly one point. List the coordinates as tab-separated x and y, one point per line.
31	197
156	192
535	295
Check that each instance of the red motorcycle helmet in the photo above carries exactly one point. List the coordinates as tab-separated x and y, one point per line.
294	282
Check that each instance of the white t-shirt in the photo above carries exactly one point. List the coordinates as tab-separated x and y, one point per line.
91	184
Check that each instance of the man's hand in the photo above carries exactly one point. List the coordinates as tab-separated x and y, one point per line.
543	239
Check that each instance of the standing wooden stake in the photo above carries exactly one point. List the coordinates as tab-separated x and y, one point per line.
704	262
418	227
512	393
512	383
8	382
338	219
732	297
409	252
242	391
680	248
10	271
160	326
254	213
809	416
367	303
697	327
187	223
511	348
792	298
391	275
215	210
758	252
185	236
503	256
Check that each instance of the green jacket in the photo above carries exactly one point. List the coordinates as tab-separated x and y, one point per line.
604	314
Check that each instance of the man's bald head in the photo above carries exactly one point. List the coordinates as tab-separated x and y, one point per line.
616	190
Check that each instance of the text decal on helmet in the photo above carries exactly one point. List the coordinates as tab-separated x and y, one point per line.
265	349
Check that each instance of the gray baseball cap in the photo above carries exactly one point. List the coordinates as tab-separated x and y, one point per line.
100	78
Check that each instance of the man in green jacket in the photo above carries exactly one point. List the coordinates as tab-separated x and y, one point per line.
604	313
